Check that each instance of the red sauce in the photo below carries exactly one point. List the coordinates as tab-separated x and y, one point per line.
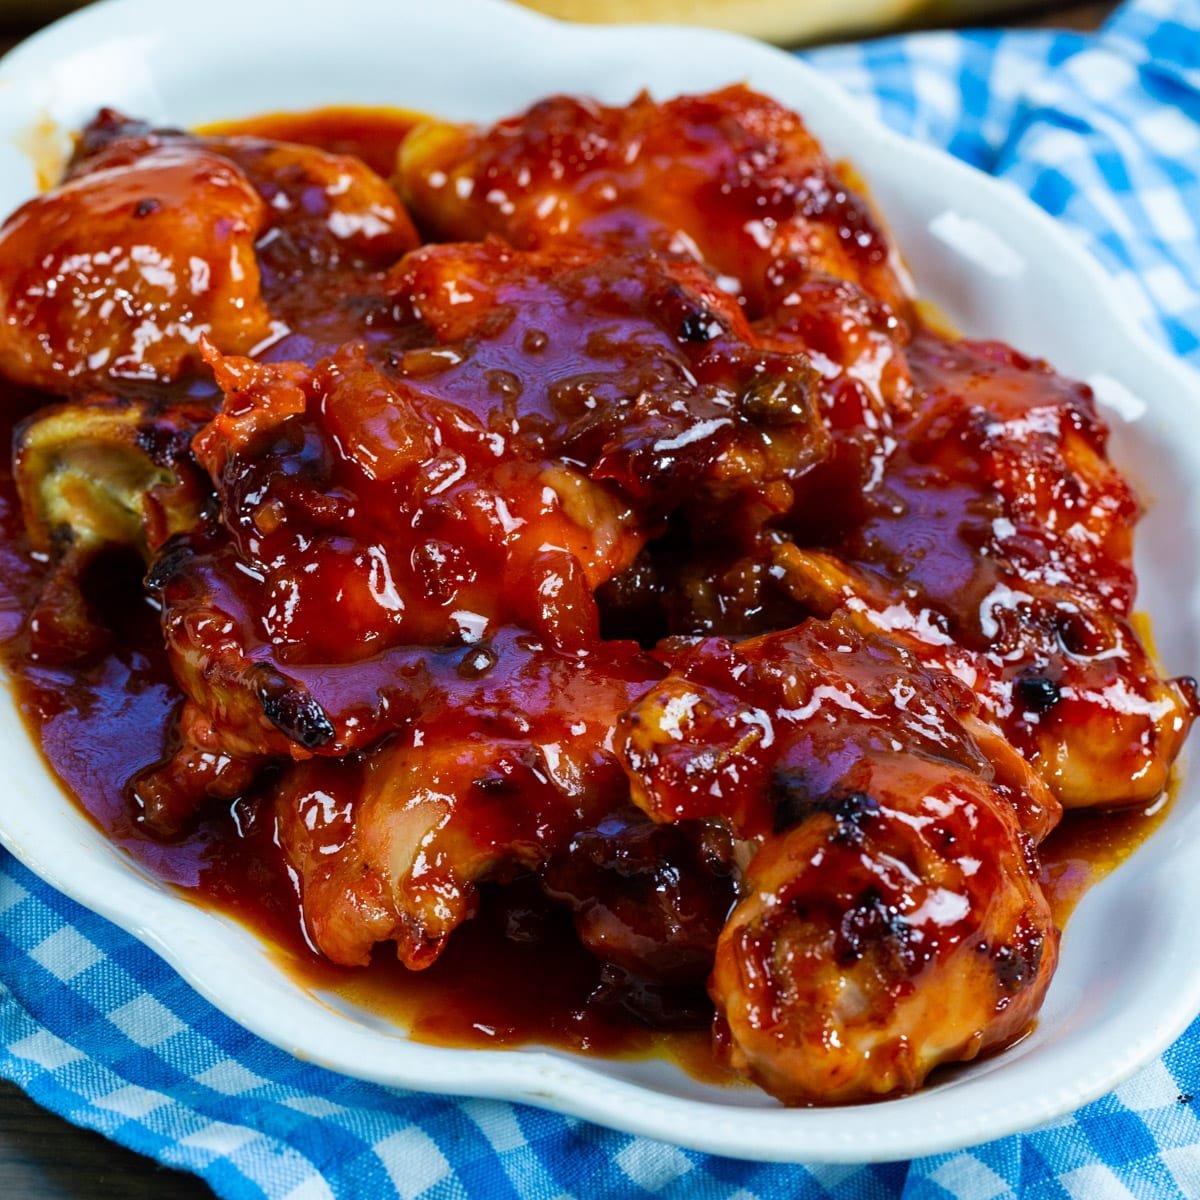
1087	846
101	725
478	993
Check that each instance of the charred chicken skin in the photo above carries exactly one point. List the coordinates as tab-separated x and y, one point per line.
890	917
613	525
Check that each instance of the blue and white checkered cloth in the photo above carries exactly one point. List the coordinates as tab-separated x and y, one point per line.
1101	130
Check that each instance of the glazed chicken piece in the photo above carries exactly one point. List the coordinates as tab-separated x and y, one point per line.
327	217
108	472
694	418
95	476
364	525
731	178
1073	689
324	212
999	547
560	405
725	579
510	756
897	930
1051	508
157	238
890	918
119	271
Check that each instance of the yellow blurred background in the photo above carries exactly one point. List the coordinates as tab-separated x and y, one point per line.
789	22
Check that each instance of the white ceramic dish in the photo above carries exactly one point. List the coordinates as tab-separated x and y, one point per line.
1130	978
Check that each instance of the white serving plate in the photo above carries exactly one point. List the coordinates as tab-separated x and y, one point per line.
1130	977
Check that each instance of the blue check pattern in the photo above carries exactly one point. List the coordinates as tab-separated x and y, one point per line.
1104	132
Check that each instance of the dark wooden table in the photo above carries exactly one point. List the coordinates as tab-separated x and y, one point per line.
42	1157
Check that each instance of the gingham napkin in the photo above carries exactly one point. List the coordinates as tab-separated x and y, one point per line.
1104	131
